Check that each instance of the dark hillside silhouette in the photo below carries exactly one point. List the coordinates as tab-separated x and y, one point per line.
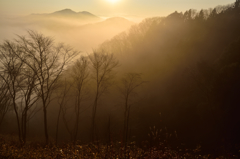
192	60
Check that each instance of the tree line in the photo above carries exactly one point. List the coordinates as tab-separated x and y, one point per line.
36	70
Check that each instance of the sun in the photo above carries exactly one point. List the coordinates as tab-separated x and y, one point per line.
112	1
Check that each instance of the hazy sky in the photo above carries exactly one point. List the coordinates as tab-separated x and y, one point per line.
105	8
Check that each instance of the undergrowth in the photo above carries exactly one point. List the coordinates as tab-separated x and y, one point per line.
11	149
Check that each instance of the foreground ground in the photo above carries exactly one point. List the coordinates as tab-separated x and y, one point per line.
11	149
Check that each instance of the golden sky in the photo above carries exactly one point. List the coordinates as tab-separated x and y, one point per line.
144	8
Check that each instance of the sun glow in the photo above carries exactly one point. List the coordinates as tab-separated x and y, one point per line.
112	1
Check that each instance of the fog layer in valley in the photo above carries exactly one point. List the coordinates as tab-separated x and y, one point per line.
83	30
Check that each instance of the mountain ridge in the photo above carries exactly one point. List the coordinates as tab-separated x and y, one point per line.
64	11
69	14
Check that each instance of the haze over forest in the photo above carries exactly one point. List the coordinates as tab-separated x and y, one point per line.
168	84
82	30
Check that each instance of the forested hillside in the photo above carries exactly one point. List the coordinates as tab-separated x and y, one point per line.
191	61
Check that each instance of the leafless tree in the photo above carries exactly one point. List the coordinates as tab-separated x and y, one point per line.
5	100
47	61
74	87
63	98
10	73
28	95
130	83
102	65
79	74
19	82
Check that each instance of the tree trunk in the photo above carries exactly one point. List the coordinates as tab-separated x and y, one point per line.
18	122
58	118
94	119
128	115
24	134
45	125
77	118
125	121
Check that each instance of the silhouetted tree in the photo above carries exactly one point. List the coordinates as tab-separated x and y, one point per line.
62	99
5	100
47	61
102	65
237	4
130	83
21	83
28	91
79	75
11	67
200	16
213	14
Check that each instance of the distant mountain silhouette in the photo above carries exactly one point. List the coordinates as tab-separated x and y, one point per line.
69	14
64	12
87	13
82	30
117	19
115	22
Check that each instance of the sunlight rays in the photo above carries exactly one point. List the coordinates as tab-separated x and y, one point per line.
113	1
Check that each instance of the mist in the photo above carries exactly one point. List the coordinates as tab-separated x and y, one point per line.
82	33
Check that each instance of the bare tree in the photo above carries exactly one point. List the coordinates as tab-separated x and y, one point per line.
47	61
102	65
62	96
130	83
67	119
79	75
5	100
10	72
20	83
28	94
75	88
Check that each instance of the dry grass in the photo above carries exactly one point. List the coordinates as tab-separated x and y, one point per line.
11	149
